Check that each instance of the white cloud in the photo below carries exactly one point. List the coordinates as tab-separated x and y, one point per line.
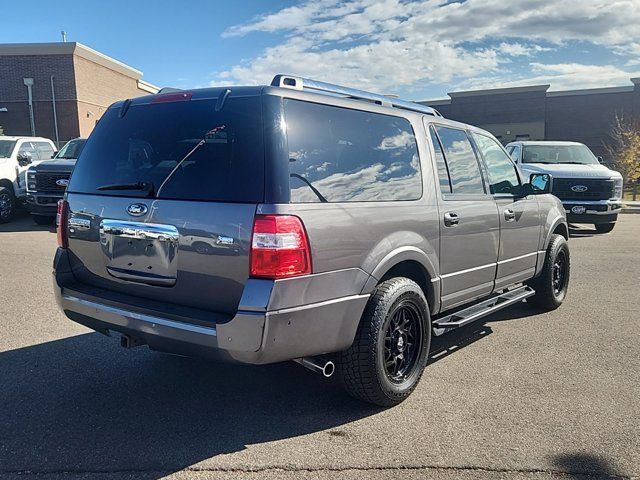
389	44
520	50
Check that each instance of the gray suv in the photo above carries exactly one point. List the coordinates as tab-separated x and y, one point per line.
342	229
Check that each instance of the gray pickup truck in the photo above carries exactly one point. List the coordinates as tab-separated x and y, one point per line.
342	229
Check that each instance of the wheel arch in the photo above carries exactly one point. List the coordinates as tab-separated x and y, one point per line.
411	263
9	184
559	227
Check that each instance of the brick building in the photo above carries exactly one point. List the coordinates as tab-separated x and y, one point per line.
534	113
80	83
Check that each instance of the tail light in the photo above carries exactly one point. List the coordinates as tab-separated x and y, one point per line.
62	220
279	247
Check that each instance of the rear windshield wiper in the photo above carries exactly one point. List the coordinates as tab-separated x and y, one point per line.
202	141
144	186
313	189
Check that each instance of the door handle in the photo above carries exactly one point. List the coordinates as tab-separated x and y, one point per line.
509	215
451	219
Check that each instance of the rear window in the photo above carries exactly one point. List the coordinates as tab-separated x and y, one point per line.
342	155
224	150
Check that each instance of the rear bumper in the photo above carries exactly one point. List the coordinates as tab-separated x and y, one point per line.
253	335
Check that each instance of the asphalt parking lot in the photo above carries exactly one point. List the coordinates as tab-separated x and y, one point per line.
520	395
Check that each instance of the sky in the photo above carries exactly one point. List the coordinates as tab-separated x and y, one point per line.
417	49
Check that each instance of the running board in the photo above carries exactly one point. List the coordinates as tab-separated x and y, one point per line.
479	310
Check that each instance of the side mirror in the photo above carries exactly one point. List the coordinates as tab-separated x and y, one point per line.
539	184
24	159
600	159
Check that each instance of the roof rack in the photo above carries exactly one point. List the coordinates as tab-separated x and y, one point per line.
299	83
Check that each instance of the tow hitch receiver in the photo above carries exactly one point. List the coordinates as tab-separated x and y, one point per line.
127	341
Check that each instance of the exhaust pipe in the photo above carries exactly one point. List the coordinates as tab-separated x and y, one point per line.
326	368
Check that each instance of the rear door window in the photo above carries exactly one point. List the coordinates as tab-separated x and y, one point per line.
222	150
343	155
462	163
443	172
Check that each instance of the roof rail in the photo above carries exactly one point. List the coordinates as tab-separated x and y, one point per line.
299	83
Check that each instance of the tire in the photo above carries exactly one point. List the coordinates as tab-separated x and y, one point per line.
7	204
43	219
551	286
396	313
604	227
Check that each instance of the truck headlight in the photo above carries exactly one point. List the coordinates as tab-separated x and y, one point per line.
617	188
31	180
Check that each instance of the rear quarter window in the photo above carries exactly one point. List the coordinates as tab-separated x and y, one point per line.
342	155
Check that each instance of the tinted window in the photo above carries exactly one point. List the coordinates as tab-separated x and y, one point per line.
45	151
224	150
503	177
443	174
71	150
349	155
464	170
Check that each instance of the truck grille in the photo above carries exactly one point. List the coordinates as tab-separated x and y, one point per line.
46	182
596	189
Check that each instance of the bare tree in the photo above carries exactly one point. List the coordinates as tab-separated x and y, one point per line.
624	148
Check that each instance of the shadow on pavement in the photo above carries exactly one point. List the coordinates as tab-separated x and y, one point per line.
22	222
580	231
579	465
83	404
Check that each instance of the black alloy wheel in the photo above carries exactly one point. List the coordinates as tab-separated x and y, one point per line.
559	272
6	205
402	341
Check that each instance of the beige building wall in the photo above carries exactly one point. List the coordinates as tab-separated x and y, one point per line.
97	87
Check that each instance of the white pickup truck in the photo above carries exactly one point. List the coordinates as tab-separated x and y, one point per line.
590	192
17	154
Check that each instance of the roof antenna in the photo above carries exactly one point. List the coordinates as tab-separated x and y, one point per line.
64	36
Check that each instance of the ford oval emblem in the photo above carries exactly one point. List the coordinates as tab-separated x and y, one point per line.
63	182
137	209
579	188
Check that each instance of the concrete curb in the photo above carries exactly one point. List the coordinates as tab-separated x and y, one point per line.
631	207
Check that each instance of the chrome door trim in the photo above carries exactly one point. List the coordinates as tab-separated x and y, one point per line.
517	258
459	272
